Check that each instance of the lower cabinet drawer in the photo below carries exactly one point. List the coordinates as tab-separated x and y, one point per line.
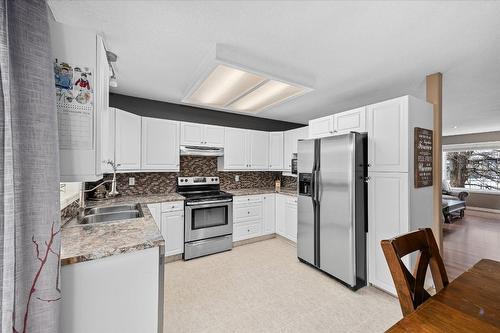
247	230
246	212
172	206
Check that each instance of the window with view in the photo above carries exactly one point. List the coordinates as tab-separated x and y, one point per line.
475	169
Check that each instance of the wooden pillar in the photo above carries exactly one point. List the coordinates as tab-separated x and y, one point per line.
434	87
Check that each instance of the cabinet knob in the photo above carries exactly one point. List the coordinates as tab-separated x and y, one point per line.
248	212
369	165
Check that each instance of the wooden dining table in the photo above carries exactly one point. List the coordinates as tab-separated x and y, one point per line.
470	303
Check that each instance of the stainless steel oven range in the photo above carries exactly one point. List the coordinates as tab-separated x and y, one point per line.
208	216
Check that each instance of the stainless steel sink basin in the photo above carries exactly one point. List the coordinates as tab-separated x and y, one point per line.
111	213
108	217
111	209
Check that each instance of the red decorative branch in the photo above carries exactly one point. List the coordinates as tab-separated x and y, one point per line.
43	261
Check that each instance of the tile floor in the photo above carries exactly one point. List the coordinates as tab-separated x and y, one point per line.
261	287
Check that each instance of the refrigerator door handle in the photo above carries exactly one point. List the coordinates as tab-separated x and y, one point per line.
318	187
313	188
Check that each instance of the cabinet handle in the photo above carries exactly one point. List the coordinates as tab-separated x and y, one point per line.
248	212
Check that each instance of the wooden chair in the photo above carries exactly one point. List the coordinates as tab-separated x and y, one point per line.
410	288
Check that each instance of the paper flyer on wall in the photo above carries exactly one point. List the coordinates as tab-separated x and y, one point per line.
75	100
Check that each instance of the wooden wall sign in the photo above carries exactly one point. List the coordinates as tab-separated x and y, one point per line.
423	162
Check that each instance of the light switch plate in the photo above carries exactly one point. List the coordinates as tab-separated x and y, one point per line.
131	181
237	178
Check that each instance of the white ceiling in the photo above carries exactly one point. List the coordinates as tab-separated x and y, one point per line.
356	52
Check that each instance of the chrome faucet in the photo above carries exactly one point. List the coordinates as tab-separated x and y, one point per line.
83	191
112	193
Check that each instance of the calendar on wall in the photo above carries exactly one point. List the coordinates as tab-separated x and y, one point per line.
75	106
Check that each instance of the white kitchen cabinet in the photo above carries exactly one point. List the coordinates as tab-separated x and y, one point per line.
193	134
321	127
388	217
388	136
288	139
81	159
245	150
127	140
247	217
291	138
286	216
246	230
395	205
118	293
214	136
172	227
258	146
160	145
280	214
268	214
291	218
276	151
107	139
235	150
349	121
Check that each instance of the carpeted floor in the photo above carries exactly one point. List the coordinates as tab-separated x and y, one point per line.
262	287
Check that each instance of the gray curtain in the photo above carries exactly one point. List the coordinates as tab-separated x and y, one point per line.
29	164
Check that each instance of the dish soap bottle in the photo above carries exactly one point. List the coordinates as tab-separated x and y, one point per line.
277	185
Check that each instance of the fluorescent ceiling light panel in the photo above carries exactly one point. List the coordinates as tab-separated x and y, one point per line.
267	94
223	85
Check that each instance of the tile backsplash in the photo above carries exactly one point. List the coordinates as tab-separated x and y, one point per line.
190	166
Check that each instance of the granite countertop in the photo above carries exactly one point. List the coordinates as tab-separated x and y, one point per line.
87	242
143	199
262	190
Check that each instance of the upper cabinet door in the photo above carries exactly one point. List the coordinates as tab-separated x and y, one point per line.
321	127
192	134
259	150
288	139
160	144
276	151
235	149
214	136
127	140
348	121
388	136
107	138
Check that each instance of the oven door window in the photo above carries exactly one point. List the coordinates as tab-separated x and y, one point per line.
209	217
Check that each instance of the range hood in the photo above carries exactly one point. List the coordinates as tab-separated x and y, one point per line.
201	151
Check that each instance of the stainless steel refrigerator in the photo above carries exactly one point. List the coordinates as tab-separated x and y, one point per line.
332	211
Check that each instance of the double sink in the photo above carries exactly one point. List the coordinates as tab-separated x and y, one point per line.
110	214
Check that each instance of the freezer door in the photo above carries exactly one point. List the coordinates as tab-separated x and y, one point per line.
336	197
305	205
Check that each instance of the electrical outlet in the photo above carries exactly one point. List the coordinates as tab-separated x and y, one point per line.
131	181
237	178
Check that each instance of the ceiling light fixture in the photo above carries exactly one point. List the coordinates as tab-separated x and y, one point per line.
235	89
266	95
223	85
